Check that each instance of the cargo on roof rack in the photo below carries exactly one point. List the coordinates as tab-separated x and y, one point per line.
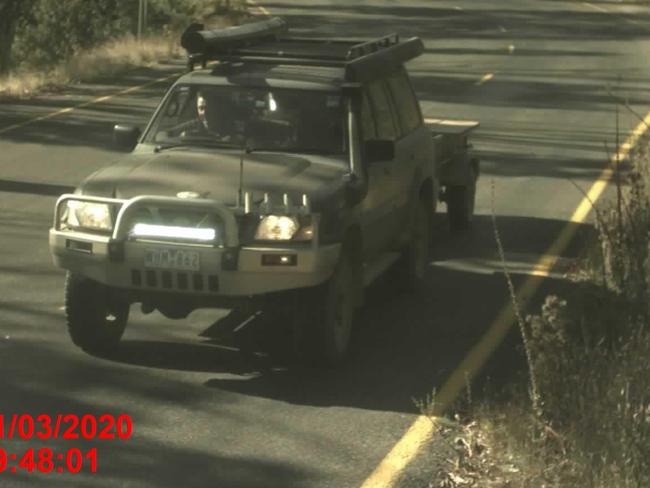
269	42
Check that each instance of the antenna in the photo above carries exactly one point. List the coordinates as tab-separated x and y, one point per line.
245	149
240	199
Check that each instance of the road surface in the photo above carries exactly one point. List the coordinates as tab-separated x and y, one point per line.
543	77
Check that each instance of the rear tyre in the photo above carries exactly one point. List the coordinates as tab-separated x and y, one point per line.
460	204
326	315
96	318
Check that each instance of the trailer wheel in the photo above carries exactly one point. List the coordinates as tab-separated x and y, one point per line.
96	319
326	315
460	203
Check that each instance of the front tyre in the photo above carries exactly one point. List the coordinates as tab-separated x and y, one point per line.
96	319
327	314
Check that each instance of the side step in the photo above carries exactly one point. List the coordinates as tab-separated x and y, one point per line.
373	269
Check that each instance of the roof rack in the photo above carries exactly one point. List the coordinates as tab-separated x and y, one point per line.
268	42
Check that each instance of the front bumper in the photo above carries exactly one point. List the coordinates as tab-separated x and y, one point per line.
229	271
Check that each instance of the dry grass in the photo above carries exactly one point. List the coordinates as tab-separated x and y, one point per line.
109	59
116	56
112	58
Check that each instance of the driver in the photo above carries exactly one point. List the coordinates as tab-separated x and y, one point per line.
204	124
201	108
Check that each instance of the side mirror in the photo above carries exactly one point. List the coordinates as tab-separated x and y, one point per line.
376	150
125	137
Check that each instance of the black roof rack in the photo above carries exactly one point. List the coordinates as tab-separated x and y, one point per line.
268	41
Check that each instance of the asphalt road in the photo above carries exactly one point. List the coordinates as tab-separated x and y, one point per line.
542	76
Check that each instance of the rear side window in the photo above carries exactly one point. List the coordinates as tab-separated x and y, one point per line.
382	111
407	106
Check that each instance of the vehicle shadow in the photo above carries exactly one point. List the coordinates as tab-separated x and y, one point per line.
407	344
153	454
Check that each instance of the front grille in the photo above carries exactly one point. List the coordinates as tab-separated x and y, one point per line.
197	280
136	277
152	278
181	281
166	279
174	280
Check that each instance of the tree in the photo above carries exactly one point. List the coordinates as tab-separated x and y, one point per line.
11	11
55	30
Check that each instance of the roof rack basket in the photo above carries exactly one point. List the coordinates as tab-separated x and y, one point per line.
268	41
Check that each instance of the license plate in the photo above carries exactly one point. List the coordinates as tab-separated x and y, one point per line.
171	259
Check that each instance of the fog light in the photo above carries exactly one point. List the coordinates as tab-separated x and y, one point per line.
80	246
279	260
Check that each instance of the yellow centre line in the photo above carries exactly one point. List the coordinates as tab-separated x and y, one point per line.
484	79
94	101
420	432
596	7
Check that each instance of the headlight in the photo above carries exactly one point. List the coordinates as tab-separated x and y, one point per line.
283	228
87	215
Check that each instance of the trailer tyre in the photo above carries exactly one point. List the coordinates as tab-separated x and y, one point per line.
460	203
96	319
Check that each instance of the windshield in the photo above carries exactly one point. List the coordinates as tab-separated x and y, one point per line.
262	118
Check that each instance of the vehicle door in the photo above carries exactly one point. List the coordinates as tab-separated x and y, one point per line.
378	122
413	147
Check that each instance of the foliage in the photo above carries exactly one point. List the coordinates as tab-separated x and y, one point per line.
590	351
82	40
54	30
11	11
50	31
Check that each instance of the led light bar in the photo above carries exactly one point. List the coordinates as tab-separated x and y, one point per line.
172	232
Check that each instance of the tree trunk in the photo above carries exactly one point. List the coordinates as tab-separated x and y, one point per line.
10	11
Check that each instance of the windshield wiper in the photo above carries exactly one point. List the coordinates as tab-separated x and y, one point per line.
163	147
298	150
194	143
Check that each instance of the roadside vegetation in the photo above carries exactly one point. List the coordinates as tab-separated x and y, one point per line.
586	421
50	44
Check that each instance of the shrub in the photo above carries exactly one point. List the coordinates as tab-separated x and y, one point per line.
590	352
54	31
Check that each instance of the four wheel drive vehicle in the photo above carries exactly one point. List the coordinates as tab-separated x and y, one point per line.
292	172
